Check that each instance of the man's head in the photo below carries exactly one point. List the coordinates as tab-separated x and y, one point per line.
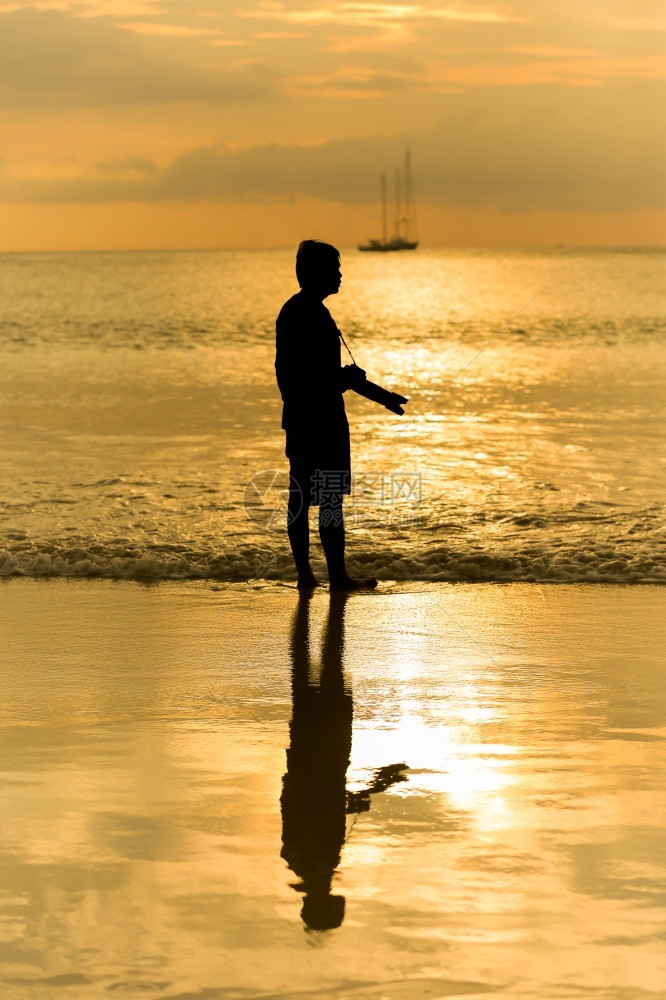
322	911
318	268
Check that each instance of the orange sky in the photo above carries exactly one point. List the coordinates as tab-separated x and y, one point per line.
186	123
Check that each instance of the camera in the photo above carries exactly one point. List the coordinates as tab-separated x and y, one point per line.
356	380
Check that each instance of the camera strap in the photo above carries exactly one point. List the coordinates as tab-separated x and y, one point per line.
348	351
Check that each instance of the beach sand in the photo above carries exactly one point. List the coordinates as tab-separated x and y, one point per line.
144	730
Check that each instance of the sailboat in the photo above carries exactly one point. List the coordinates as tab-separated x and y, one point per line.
404	215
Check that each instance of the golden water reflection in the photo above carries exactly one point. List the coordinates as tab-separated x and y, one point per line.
315	802
157	840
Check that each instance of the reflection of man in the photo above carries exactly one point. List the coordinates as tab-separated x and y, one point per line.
314	801
312	381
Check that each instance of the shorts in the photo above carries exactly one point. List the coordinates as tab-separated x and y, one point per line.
318	487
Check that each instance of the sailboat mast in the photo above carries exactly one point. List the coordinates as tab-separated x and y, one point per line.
398	202
408	192
384	227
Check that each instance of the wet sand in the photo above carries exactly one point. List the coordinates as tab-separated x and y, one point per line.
204	798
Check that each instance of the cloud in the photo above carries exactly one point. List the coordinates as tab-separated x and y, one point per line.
56	59
456	45
593	149
551	51
377	14
354	81
109	53
170	30
636	23
278	34
90	8
126	165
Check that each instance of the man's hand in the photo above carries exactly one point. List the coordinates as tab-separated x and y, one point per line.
352	376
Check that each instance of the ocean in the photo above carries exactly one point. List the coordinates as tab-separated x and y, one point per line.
141	419
215	786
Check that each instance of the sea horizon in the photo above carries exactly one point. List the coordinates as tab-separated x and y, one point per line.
506	248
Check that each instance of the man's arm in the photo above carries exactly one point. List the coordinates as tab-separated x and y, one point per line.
293	366
358	802
356	380
306	369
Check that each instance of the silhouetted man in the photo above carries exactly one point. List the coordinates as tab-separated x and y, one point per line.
312	381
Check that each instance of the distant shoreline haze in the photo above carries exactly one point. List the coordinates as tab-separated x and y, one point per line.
523	248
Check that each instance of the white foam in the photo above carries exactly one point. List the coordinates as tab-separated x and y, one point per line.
112	561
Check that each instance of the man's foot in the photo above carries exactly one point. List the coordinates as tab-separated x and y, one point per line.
349	583
307	581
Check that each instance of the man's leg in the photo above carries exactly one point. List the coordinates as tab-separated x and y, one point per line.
332	534
298	530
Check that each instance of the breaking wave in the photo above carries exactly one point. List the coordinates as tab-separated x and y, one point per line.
594	563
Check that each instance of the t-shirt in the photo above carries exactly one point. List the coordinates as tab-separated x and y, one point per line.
310	378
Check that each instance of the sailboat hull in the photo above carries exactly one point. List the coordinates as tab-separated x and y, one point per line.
378	246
